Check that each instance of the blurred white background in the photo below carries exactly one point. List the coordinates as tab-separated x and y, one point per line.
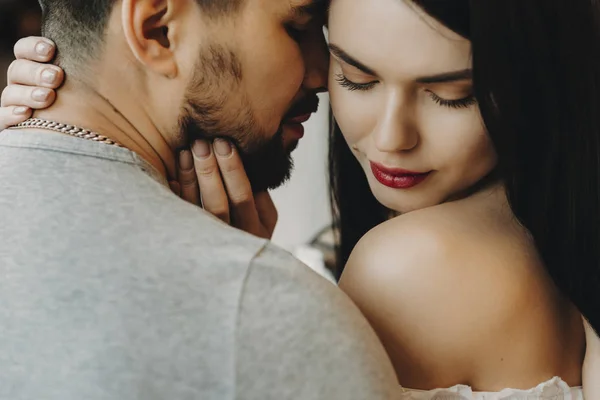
303	203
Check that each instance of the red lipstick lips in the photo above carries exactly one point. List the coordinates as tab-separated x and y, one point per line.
397	178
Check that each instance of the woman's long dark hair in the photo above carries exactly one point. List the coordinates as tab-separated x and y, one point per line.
355	209
536	67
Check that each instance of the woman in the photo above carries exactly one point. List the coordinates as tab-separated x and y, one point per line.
455	287
457	256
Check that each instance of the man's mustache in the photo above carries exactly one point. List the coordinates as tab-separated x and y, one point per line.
308	105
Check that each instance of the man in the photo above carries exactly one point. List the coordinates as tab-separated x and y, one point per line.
115	288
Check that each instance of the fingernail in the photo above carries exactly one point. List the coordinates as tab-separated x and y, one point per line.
40	94
186	162
223	148
201	149
49	75
43	48
20	110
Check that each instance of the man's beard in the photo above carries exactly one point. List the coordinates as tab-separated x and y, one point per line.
268	163
214	107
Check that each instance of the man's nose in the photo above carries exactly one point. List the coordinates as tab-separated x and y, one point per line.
316	58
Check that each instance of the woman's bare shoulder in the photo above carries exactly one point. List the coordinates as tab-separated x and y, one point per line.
440	285
450	239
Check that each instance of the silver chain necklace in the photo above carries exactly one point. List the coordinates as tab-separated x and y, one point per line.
68	129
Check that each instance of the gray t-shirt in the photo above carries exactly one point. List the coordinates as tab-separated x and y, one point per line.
111	287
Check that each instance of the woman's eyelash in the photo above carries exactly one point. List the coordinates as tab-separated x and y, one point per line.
352	86
465	102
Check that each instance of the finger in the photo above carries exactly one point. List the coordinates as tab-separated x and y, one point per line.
187	178
35	49
10	116
33	97
212	191
239	191
30	73
267	212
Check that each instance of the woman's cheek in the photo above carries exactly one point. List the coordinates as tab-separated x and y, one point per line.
353	112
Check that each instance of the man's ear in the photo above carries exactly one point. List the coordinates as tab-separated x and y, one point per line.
148	25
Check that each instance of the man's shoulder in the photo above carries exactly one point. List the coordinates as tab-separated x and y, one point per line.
77	190
277	275
298	328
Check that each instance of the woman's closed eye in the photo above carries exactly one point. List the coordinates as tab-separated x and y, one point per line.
354	86
463	102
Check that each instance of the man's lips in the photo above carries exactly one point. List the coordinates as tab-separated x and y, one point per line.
299	119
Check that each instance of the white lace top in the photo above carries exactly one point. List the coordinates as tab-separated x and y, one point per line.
554	389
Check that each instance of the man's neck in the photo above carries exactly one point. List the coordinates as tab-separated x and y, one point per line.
115	115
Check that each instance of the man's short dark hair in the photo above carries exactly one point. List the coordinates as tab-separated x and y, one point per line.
78	26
